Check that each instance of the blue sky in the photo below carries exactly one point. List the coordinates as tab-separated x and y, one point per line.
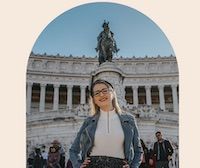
75	32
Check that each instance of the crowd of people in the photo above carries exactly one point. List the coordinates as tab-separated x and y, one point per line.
55	158
162	155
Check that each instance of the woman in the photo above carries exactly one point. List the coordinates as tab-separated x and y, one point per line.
145	156
108	138
53	157
152	160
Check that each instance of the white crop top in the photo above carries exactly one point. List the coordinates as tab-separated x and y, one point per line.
109	136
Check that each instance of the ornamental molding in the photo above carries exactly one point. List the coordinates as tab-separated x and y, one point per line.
57	80
130	66
152	81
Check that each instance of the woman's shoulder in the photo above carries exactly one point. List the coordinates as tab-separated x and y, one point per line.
128	116
89	119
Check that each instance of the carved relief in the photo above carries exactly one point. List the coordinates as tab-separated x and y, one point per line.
76	67
89	67
165	66
37	64
152	68
174	67
131	67
50	65
30	64
140	68
64	66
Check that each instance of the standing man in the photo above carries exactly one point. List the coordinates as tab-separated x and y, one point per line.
162	151
37	162
44	156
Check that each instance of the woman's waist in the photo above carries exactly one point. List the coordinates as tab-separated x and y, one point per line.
108	152
106	157
106	161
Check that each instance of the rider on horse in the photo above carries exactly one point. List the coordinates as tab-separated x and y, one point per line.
104	38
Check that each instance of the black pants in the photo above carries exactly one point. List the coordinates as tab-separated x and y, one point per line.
162	164
144	165
105	162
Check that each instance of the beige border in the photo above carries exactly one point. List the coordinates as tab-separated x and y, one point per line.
21	23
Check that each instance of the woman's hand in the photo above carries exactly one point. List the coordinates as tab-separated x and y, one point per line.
126	165
151	162
169	157
85	163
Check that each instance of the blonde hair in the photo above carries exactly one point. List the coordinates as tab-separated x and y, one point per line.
94	108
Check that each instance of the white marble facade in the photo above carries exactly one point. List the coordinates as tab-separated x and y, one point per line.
153	98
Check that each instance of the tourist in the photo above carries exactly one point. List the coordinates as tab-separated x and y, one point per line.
62	156
145	156
53	158
162	151
44	156
152	160
109	137
30	159
58	146
38	160
69	164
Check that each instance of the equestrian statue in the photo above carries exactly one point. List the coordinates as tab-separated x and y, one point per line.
106	45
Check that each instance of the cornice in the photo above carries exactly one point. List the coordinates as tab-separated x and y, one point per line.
95	58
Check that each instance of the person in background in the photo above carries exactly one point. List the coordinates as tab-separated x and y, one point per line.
58	145
44	156
162	151
108	138
145	156
152	159
53	157
37	162
62	157
30	159
69	164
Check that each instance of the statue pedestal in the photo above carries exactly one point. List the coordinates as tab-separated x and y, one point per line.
111	73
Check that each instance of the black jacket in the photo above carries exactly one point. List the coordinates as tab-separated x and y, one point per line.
167	149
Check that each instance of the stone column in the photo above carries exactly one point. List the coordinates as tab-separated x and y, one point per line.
83	95
174	96
29	97
42	97
121	96
161	97
135	95
148	95
56	97
69	96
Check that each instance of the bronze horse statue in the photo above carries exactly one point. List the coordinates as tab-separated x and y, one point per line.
106	44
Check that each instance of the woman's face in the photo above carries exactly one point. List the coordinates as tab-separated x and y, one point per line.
102	96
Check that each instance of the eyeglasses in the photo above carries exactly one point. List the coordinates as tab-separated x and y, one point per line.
104	91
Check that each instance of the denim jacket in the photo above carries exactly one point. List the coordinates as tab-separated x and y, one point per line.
84	141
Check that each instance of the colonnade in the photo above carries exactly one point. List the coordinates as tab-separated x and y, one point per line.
161	96
83	96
